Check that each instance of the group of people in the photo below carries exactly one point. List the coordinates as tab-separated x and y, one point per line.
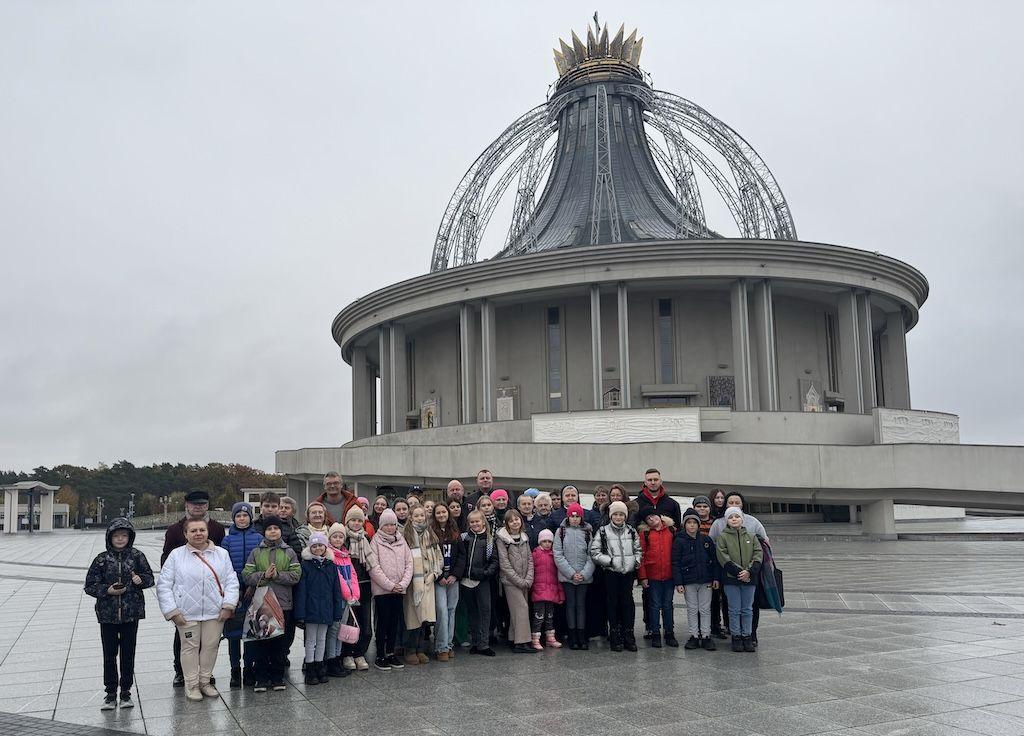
473	570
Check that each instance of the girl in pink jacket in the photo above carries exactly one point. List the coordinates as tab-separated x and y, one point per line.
389	577
546	592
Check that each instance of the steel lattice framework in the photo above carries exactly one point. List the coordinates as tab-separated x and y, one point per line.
524	153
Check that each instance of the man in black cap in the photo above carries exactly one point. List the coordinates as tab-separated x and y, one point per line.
197	506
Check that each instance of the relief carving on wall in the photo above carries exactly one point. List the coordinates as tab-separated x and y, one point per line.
618	426
894	426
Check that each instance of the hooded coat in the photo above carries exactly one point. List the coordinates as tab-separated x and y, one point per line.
240	543
572	552
694	559
662	503
394	564
118	566
514	560
289	571
545	578
317	598
616	549
656	548
739	550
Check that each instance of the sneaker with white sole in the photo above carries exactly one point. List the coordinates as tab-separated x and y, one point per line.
361	664
193	693
109	702
348	663
126	701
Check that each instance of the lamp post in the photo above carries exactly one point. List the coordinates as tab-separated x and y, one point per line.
131	507
164	500
99	509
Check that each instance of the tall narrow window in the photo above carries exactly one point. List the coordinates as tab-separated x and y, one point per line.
554	337
666	345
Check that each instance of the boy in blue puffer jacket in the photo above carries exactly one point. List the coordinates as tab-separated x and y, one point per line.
241	539
696	573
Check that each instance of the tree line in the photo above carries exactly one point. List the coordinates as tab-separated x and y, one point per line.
80	487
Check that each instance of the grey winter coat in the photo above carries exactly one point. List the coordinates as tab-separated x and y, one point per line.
572	552
616	550
515	560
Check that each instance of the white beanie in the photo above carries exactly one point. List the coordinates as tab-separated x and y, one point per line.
618	507
733	511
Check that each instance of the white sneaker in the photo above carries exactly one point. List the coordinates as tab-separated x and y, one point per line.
361	664
193	693
209	691
348	663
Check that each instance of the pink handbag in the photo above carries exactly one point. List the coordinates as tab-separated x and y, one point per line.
348	633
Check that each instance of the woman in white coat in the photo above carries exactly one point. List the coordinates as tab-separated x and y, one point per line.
198	591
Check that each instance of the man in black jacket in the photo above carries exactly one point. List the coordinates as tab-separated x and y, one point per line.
655	498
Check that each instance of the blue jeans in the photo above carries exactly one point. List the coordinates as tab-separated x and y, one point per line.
741	608
446	598
660	609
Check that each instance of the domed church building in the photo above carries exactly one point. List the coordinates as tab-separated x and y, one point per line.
614	329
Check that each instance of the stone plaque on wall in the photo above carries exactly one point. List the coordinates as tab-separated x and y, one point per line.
722	391
894	426
674	424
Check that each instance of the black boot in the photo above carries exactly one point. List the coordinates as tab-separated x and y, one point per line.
670	639
571	641
737	643
708	643
248	677
656	639
334	668
615	637
236	678
321	672
179	679
692	643
583	644
629	640
310	677
749	645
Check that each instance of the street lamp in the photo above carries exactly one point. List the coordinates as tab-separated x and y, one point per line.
165	500
99	509
131	507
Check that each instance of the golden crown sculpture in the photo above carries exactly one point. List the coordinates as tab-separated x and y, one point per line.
598	47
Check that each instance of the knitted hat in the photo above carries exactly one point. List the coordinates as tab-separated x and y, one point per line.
499	493
355	513
363	501
388	517
691	514
733	511
702	499
336	528
574	510
531	492
317	538
269	521
241	507
545	535
617	507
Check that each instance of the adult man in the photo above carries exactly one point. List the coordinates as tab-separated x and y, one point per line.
286	512
197	506
270	507
655	497
532	523
484	485
337	498
570	495
456	492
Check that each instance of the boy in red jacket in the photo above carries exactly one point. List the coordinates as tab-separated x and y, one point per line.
655	574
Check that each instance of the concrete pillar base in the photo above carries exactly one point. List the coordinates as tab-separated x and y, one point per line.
46	512
879	520
10	512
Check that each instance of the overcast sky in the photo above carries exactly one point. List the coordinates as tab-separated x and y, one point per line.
190	191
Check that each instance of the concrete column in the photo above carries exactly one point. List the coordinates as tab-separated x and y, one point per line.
305	494
10	512
850	382
866	349
624	345
879	519
399	392
371	392
764	344
384	365
853	513
742	369
894	370
46	511
488	360
595	343
362	423
467	354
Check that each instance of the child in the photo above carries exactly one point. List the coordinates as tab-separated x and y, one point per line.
350	594
418	603
616	549
655	573
546	591
273	563
363	560
479	564
390	577
116	579
516	566
575	571
695	572
446	587
401	510
318	604
241	539
739	554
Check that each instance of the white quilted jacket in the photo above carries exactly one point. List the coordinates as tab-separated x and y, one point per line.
187	586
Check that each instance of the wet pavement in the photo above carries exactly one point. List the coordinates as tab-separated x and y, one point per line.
908	638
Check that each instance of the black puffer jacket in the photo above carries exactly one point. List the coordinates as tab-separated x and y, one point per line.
118	566
478	559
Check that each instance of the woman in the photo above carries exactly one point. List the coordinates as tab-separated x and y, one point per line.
455	511
316	521
198	591
516	565
600	498
379	504
619	493
479	565
446	587
717	503
418	604
401	509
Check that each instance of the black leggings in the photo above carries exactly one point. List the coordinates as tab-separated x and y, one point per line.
118	640
621	608
389	620
576	605
478	603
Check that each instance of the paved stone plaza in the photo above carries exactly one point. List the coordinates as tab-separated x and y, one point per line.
908	638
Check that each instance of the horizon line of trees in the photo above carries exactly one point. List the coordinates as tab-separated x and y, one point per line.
80	486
